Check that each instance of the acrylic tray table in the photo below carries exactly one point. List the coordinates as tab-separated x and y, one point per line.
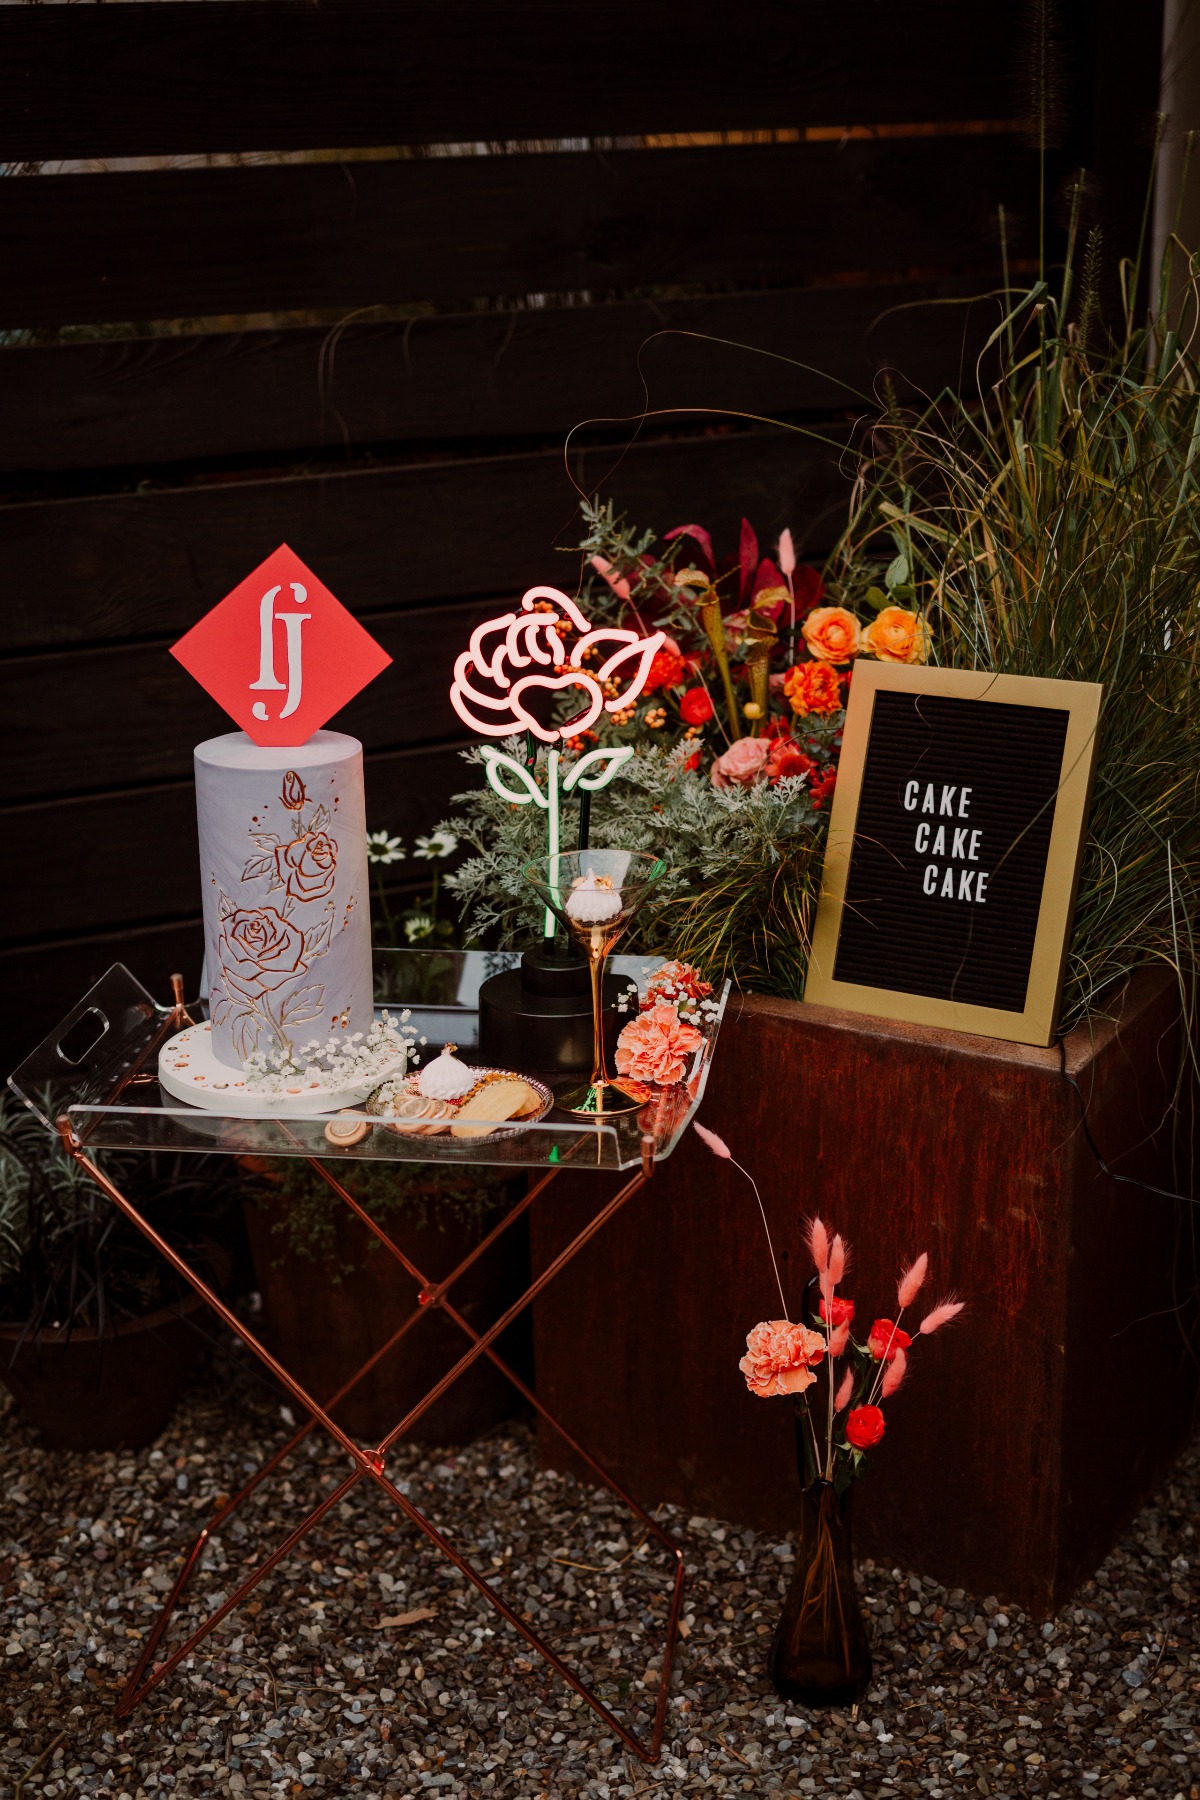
93	1082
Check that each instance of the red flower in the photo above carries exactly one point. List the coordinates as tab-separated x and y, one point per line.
822	788
808	588
667	668
695	708
864	1427
693	761
886	1339
843	1312
787	758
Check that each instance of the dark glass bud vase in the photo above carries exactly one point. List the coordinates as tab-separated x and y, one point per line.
820	1654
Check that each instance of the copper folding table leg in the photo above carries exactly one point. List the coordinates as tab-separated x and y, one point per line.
371	1463
131	1693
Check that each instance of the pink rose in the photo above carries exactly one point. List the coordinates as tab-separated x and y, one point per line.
306	866
743	763
656	1045
259	950
779	1358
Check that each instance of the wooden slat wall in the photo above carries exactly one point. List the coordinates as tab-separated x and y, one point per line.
417	462
174	243
243	75
496	375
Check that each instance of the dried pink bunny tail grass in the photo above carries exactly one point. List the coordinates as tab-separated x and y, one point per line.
720	1148
787	553
837	1260
894	1374
845	1391
716	1144
941	1315
911	1281
818	1243
839	1338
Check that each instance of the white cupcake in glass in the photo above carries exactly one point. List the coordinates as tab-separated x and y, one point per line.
593	900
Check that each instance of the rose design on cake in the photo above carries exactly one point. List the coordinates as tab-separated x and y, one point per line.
306	866
264	949
260	950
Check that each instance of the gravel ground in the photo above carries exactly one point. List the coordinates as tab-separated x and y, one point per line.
366	1664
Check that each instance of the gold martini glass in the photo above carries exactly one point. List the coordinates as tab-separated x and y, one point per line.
596	894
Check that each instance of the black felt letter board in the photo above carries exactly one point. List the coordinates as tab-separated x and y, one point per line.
950	846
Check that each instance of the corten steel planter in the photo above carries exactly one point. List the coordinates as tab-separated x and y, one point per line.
323	1329
1029	1431
82	1392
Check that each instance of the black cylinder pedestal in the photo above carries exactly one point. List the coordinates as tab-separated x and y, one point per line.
539	1017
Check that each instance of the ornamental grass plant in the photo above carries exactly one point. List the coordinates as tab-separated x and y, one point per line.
1048	524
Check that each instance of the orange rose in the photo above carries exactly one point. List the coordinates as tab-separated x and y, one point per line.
832	634
897	635
306	865
813	687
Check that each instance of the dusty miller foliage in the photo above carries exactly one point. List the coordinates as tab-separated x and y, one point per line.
742	838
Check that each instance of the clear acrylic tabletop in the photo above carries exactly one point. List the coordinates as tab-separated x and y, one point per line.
98	1068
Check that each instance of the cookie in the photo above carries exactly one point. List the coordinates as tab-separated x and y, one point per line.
347	1128
492	1103
410	1112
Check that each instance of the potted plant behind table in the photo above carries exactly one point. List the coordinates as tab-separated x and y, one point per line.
97	1332
332	1295
820	1653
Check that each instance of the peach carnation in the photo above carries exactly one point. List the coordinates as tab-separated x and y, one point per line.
656	1045
813	687
897	635
832	634
779	1358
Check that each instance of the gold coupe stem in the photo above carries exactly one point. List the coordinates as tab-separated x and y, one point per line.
596	960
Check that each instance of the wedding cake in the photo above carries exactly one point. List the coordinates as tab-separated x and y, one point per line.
283	870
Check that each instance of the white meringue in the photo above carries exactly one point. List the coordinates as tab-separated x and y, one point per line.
593	899
445	1078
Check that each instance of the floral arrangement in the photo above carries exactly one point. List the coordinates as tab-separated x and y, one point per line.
756	665
673	1016
843	1413
735	735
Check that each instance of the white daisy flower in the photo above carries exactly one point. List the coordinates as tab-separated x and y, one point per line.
438	844
384	849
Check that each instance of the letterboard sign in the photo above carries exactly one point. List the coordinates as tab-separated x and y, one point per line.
954	846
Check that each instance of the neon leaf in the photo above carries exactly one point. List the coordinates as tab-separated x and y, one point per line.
496	760
598	759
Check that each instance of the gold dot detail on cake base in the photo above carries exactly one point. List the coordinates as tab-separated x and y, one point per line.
188	1071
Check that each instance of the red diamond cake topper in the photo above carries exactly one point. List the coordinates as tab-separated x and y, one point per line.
279	653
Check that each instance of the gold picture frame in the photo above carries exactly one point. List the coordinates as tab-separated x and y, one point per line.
1035	1022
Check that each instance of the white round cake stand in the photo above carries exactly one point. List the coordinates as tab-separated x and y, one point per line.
188	1070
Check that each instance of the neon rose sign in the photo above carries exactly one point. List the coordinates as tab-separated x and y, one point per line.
490	688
